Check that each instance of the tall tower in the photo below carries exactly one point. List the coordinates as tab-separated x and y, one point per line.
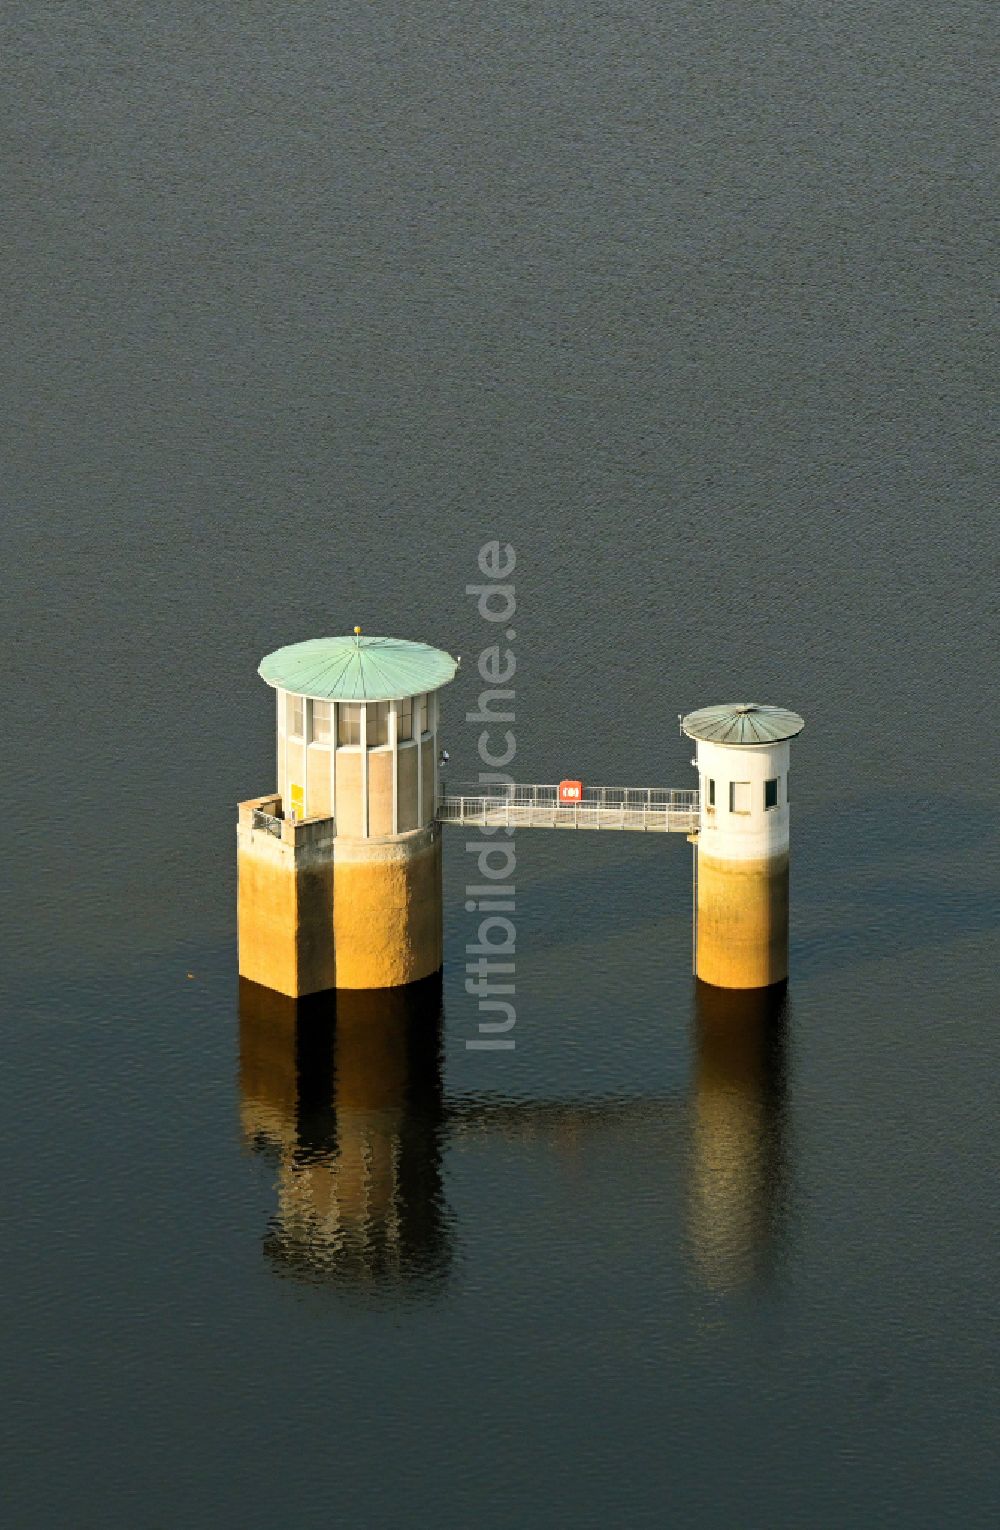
742	862
340	868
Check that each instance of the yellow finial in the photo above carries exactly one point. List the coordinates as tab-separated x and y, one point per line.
357	632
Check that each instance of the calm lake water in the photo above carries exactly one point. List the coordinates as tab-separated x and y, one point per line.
687	302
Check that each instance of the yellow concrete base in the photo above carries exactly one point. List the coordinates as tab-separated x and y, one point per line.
317	911
742	938
387	915
285	902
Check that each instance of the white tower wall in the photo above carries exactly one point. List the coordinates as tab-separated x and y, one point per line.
759	831
373	790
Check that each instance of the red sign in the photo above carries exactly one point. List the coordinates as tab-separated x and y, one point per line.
570	791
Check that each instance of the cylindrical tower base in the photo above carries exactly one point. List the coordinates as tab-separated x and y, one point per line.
387	920
319	911
742	933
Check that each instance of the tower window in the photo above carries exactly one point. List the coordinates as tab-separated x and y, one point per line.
739	796
348	723
405	724
378	724
771	793
321	722
711	792
297	716
421	715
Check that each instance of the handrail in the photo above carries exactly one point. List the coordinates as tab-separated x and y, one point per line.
266	821
674	810
631	796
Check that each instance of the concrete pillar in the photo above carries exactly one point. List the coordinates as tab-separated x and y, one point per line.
284	899
742	861
387	909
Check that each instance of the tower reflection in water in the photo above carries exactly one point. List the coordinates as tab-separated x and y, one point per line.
739	1164
345	1090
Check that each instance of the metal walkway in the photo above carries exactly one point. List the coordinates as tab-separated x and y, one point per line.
657	809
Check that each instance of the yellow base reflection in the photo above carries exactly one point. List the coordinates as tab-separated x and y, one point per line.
738	1175
345	1089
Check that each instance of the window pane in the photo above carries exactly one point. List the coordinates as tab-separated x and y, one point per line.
378	724
771	793
348	723
711	792
739	796
421	715
405	724
296	715
321	722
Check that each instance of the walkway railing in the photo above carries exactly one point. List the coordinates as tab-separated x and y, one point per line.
651	808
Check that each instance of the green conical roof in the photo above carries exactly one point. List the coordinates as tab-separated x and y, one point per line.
358	668
742	722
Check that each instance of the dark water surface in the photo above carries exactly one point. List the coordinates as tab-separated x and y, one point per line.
688	303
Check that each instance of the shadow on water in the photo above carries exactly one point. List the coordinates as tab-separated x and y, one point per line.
739	1180
345	1090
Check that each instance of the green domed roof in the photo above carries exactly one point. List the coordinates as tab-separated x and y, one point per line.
742	722
352	668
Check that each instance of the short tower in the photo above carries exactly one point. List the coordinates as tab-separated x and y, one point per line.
742	859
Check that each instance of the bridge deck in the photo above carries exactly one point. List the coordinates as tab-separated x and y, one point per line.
655	809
